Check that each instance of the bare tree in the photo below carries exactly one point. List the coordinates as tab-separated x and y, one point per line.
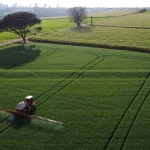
77	14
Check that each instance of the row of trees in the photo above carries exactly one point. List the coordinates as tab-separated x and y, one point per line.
21	22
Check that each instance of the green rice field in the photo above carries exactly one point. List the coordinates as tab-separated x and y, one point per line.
101	95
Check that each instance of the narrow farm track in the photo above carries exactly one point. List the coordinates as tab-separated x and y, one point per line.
4	119
122	130
11	41
5	128
73	76
61	85
4	124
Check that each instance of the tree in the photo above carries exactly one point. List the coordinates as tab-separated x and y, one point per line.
77	14
142	10
19	23
1	26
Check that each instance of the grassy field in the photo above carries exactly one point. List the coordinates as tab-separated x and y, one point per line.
136	20
46	24
101	96
6	36
53	24
114	13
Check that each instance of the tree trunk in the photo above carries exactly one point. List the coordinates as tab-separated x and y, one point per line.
24	40
78	23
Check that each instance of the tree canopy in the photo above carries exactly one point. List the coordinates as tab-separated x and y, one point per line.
77	14
19	23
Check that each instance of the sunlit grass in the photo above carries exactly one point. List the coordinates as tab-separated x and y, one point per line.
6	36
135	20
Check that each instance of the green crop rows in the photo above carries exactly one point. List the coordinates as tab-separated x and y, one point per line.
101	96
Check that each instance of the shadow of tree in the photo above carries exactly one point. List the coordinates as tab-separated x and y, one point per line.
82	29
18	55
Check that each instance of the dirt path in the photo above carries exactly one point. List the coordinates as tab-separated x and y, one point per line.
11	41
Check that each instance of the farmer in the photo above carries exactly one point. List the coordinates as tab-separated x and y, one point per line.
27	106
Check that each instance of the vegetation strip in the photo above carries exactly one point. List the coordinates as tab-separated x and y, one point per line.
107	46
123	27
122	130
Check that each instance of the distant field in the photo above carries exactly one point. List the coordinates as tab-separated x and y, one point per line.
122	38
53	24
136	20
148	11
126	32
101	96
57	23
113	13
123	32
47	25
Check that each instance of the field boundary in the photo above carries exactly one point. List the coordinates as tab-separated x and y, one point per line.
116	47
136	49
123	27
